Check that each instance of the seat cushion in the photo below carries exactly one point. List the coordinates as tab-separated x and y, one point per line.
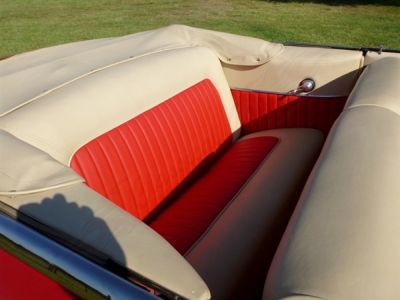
234	254
188	218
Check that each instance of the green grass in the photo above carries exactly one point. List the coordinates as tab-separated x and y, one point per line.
31	24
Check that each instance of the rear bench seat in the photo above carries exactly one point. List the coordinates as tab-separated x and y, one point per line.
343	240
159	136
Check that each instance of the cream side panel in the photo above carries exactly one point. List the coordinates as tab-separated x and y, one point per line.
334	71
371	57
64	120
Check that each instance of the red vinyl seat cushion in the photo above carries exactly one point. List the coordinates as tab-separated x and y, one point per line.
185	220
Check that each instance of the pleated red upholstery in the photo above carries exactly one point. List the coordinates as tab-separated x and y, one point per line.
262	111
153	156
186	219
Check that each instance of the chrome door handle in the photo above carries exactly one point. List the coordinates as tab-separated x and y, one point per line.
305	86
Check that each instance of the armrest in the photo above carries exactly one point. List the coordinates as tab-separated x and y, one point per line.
54	196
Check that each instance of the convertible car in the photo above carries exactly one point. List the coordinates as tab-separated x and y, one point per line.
183	163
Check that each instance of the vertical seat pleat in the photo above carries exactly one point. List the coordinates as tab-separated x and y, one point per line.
263	111
184	221
142	162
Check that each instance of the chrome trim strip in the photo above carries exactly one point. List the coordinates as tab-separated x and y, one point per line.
287	94
60	258
379	49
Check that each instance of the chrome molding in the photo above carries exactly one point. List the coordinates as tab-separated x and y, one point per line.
286	94
379	49
62	262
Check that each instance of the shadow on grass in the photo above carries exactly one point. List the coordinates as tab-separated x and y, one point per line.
342	2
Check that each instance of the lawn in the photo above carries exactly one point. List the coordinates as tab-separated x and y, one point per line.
27	25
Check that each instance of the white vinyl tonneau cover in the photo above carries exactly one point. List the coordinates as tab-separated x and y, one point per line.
59	65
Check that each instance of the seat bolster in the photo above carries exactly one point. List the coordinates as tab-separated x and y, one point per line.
237	239
99	223
24	169
343	239
372	89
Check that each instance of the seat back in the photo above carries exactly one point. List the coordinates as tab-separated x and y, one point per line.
113	125
154	156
